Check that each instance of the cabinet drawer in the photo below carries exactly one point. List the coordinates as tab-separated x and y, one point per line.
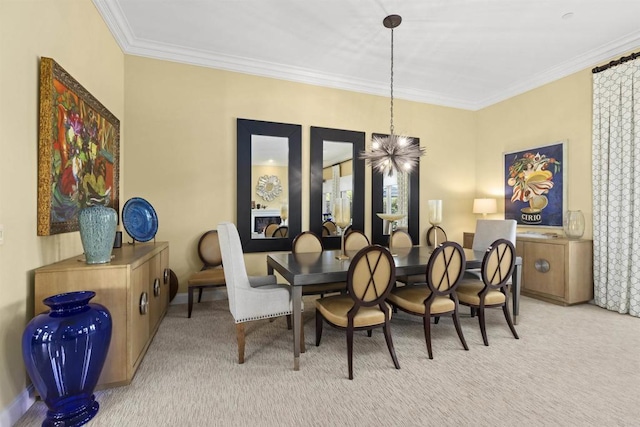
544	268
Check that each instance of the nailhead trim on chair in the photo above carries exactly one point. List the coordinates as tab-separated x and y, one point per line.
248	319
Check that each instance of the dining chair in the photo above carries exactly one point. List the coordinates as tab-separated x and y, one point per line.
435	233
437	297
325	231
399	241
355	240
211	275
487	232
250	298
270	228
491	291
331	226
306	243
282	231
370	277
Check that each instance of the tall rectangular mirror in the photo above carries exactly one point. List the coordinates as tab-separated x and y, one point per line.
336	173
396	198
269	191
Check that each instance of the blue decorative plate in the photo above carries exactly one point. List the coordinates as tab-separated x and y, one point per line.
139	219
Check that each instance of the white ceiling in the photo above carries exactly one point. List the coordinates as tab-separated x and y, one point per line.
460	53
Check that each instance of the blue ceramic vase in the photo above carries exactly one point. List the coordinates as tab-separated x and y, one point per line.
64	351
97	232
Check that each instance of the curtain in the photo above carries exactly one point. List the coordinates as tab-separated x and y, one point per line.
616	187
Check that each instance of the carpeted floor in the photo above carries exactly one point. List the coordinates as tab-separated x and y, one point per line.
573	366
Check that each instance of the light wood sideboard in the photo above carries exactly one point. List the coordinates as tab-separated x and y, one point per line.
134	287
557	270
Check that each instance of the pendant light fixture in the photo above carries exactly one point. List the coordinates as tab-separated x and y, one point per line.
394	152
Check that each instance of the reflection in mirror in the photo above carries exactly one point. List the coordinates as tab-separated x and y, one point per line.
269	190
336	173
269	173
397	200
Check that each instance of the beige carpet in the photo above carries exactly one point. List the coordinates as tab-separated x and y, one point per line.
573	366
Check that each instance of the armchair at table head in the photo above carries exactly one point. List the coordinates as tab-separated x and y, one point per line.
211	274
437	296
497	266
370	277
250	298
490	230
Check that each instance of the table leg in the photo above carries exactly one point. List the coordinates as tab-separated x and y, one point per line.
296	298
515	293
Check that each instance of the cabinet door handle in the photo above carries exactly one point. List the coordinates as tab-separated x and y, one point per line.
144	303
542	265
156	287
166	276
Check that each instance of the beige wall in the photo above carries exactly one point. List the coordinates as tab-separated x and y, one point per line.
560	110
181	124
74	35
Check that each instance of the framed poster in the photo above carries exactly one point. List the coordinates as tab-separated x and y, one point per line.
535	185
78	151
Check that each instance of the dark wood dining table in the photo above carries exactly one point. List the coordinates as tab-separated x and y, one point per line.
312	269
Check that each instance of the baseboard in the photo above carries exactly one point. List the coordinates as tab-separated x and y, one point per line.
214	294
11	414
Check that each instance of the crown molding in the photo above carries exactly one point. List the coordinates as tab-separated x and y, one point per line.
117	23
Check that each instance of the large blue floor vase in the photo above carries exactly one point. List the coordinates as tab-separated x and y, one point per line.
64	351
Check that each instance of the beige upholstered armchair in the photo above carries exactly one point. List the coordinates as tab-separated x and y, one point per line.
250	298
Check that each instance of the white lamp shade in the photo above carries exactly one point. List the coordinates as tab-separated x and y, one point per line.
485	206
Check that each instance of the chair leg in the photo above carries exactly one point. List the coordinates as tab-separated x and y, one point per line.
303	348
456	322
199	294
318	328
507	315
392	350
483	328
350	351
473	311
426	320
240	338
288	322
190	304
370	333
436	320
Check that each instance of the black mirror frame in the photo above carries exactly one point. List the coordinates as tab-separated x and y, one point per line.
318	136
246	128
377	203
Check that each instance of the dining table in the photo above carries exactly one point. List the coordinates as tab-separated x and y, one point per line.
325	267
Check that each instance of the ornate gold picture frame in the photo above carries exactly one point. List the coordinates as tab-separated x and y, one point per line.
78	151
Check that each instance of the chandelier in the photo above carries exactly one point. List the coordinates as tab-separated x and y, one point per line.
394	152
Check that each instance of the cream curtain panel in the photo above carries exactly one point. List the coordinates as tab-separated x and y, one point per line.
616	187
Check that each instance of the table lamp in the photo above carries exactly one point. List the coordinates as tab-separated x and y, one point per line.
484	206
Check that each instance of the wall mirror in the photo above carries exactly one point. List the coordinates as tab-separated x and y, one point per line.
269	189
336	173
398	199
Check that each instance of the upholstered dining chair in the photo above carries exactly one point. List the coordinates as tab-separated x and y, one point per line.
497	266
355	240
370	277
487	232
398	241
250	298
270	228
282	231
435	233
331	226
211	275
308	242
437	297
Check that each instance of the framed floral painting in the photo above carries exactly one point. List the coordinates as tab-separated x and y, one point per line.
535	185
78	151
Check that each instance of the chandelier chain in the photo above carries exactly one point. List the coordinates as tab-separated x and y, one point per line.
391	129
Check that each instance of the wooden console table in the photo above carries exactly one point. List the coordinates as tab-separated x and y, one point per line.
557	270
134	287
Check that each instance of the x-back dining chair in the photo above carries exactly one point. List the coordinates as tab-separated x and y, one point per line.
492	291
436	235
437	296
307	243
211	274
370	277
250	298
